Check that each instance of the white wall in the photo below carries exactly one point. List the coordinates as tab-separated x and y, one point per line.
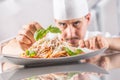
111	17
30	10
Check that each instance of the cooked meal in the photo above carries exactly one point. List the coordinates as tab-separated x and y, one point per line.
54	47
45	47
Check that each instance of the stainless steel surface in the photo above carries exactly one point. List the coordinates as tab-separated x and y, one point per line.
21	73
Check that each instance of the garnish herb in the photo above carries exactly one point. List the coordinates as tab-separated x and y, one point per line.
30	53
71	53
43	32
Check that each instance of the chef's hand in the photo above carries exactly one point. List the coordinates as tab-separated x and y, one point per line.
94	43
25	36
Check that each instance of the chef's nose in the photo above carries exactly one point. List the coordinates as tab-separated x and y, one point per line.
70	31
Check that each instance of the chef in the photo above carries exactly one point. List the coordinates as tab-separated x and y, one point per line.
72	17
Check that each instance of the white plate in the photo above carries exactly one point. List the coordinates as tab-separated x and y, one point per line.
52	61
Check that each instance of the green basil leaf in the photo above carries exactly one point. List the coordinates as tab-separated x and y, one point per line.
27	52
30	53
53	29
71	53
40	34
78	51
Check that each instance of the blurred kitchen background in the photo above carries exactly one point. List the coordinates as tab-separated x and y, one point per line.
16	13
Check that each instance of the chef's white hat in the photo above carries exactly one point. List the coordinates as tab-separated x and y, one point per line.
70	9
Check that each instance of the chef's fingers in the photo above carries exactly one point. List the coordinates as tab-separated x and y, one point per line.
81	44
23	39
28	34
92	43
102	42
24	46
37	25
34	26
87	44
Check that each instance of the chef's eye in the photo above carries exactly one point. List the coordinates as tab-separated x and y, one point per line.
63	25
76	24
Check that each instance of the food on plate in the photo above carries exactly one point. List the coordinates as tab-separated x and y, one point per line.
45	47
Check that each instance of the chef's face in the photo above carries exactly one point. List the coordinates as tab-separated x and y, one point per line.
73	30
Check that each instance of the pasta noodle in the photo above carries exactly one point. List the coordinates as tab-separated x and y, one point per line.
48	48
